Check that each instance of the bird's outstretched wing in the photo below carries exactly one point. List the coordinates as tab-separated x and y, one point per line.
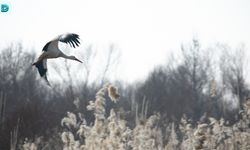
42	69
70	38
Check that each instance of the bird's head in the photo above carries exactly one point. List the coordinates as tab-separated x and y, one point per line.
74	58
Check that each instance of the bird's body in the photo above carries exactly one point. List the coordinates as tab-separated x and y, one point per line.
51	50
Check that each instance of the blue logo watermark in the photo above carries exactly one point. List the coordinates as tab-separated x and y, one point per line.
4	7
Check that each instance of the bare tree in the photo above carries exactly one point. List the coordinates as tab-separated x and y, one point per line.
111	61
90	56
179	88
233	72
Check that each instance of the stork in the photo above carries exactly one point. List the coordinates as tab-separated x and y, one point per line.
51	50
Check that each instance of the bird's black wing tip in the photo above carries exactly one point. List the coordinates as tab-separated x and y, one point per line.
41	69
70	38
47	81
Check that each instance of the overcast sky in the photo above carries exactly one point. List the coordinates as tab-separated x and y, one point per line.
145	31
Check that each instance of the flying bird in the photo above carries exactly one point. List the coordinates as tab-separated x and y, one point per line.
51	50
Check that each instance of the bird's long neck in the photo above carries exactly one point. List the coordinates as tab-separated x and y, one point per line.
66	56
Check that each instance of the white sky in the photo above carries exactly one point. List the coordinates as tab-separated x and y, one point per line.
144	30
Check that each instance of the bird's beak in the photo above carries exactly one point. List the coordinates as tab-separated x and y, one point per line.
78	60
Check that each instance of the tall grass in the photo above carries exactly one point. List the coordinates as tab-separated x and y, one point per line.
111	132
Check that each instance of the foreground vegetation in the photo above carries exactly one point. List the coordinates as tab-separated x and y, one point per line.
111	132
